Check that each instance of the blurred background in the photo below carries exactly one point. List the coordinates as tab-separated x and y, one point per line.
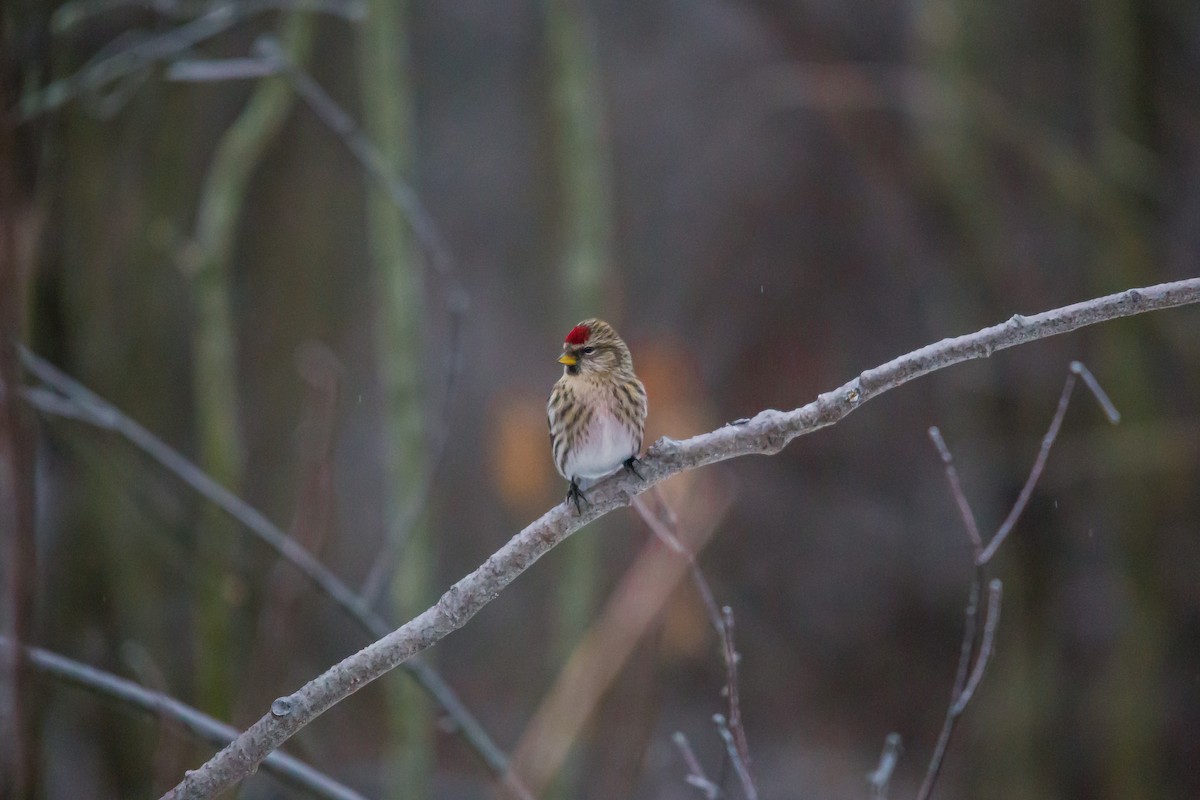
328	252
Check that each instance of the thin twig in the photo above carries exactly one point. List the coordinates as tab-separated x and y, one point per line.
384	564
367	154
78	402
280	765
150	49
965	684
731	688
388	558
964	688
960	681
767	433
1034	474
990	621
1039	464
971	617
74	12
960	498
666	534
210	70
588	675
696	775
739	766
721	617
1101	396
882	776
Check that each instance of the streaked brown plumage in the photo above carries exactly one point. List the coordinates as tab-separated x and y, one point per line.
597	409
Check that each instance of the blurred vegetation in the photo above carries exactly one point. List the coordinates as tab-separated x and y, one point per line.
387	102
766	197
581	158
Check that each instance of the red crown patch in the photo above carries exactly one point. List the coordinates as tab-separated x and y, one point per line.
579	334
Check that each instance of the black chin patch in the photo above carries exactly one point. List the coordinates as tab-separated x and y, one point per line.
573	369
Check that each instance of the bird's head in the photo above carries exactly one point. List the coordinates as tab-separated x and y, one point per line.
593	348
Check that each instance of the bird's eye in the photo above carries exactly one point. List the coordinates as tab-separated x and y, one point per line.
589	350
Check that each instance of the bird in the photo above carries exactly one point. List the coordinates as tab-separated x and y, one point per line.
596	410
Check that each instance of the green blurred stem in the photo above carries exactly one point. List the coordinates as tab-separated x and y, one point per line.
387	108
1128	691
582	158
952	133
583	166
209	261
956	137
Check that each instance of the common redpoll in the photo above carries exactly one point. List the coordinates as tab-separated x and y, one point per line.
597	409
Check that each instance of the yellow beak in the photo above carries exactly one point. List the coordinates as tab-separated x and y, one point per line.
568	359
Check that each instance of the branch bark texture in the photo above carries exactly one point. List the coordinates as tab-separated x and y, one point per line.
767	433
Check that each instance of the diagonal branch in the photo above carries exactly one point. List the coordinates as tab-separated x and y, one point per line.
1077	370
279	765
767	433
73	400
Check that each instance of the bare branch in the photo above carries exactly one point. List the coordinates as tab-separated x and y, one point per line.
364	150
964	506
1064	400
280	765
967	648
171	746
721	617
739	766
76	401
735	707
73	13
768	432
668	535
964	689
964	686
882	776
634	604
985	647
208	70
1101	396
121	63
960	681
696	776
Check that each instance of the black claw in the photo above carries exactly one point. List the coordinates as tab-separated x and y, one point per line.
576	494
631	465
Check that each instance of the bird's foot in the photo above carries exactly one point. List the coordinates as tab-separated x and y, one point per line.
575	495
631	465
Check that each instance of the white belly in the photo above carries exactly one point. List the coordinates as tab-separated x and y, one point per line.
605	446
